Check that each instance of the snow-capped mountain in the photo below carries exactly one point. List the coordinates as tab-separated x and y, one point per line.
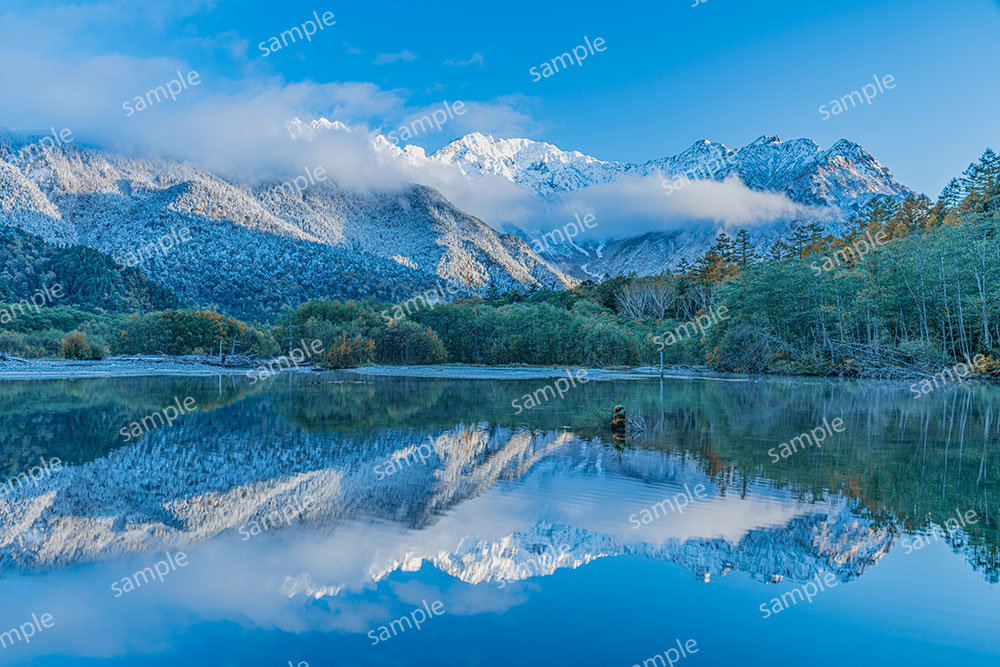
542	168
834	183
842	176
256	248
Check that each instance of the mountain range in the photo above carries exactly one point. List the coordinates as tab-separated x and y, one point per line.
258	246
829	185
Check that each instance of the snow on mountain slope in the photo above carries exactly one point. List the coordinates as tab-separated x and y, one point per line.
258	248
544	169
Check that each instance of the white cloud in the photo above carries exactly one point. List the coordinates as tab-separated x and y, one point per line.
386	58
474	59
636	205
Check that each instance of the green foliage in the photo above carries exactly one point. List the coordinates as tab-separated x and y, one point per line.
189	332
541	334
409	343
91	280
928	297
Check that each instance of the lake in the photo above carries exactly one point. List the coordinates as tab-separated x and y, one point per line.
320	519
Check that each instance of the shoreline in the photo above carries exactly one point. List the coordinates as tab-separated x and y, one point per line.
202	366
142	366
128	366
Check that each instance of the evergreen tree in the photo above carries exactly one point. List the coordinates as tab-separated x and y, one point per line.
725	248
952	195
871	218
911	216
798	240
743	250
778	252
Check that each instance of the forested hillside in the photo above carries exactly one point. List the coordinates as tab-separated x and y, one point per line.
91	280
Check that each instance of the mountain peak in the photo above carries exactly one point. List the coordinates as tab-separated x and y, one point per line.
846	146
764	140
299	128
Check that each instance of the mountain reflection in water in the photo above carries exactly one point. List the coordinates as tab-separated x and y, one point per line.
296	534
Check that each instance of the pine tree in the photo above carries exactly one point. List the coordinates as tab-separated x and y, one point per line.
778	252
871	218
743	249
725	248
981	183
953	194
911	216
798	240
709	267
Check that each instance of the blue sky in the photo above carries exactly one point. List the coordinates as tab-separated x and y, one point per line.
726	70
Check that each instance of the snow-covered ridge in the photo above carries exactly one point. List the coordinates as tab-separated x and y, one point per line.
837	176
250	238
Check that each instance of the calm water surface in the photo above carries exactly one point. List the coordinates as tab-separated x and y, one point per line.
314	510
